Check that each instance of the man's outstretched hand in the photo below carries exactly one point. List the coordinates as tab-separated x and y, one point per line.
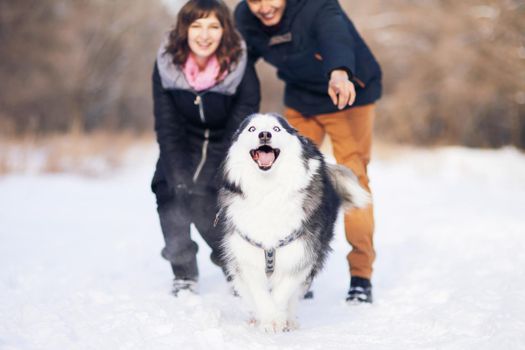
341	89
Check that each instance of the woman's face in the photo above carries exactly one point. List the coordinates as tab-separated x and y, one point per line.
204	37
269	12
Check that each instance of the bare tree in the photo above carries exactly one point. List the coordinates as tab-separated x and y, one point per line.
454	71
78	64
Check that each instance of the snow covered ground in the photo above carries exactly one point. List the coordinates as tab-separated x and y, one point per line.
80	265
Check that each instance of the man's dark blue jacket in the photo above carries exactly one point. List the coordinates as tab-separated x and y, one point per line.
313	38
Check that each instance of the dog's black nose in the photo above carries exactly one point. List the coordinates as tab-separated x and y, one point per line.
265	136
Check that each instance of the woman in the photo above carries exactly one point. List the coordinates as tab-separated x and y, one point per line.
332	82
202	89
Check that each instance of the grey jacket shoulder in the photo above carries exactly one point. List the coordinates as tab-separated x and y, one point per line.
172	76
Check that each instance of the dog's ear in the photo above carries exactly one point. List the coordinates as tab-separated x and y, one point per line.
241	127
284	123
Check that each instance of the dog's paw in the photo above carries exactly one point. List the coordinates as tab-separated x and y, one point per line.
292	324
274	326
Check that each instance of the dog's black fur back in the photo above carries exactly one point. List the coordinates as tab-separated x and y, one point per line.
320	211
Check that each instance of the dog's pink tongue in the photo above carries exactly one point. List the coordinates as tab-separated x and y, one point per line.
265	158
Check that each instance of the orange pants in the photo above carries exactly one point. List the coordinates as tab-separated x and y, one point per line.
351	134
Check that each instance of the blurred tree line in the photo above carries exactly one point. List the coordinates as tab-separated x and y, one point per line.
454	72
77	64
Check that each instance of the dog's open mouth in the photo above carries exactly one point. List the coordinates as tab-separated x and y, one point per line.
265	156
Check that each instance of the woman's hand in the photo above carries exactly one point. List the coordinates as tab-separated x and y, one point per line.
341	89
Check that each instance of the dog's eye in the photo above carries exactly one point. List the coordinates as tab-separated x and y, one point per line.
251	129
276	129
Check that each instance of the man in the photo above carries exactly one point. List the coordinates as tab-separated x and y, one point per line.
332	81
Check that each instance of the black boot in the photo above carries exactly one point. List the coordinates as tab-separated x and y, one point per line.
181	284
185	278
360	291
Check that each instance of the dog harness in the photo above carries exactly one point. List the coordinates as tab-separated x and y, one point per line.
269	253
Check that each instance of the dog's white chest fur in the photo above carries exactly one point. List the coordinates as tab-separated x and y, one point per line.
269	211
269	215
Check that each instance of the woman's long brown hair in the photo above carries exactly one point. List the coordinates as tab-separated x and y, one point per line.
229	50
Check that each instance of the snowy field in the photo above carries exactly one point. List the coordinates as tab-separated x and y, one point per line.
80	265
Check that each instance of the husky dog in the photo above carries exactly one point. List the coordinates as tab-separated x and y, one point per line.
278	204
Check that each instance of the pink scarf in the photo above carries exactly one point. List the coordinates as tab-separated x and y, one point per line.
205	79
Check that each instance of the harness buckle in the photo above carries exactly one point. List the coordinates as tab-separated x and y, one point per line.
269	257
